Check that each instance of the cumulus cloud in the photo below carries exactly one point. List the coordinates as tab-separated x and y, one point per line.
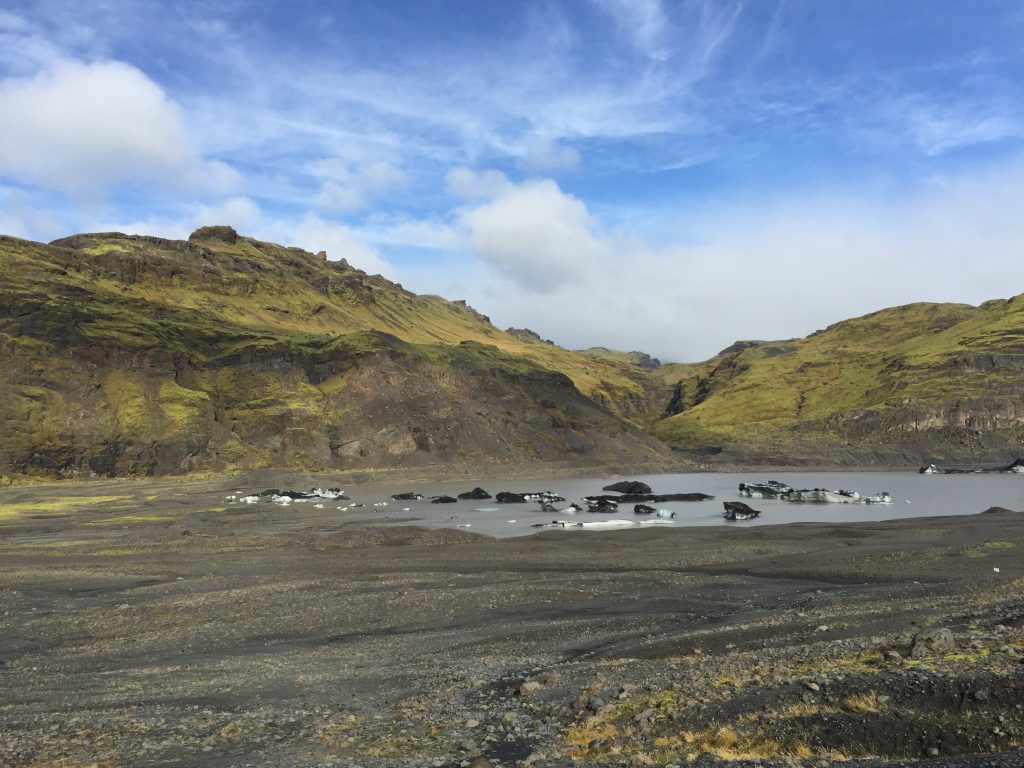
536	234
80	128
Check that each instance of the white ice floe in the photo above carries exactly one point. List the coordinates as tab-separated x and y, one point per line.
599	525
250	499
330	493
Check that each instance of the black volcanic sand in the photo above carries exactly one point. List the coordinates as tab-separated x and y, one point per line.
166	626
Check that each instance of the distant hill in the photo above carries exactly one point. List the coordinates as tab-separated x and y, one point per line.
907	384
639	359
128	355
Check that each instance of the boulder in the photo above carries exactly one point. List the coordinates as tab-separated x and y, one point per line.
476	493
628	486
407	496
506	497
443	500
737	510
932	642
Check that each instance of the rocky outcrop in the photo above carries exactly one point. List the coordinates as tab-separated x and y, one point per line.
525	334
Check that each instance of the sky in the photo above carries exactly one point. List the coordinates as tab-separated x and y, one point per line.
658	175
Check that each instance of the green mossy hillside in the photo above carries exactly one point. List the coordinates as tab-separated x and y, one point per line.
132	355
917	381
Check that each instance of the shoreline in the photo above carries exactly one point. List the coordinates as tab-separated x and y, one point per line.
446	473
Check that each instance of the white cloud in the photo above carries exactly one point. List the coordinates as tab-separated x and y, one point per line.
81	128
536	234
538	257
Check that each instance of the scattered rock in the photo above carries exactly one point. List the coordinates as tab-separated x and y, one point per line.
813	687
530	686
628	486
506	497
932	642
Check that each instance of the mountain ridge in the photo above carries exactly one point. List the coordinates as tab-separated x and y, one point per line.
136	355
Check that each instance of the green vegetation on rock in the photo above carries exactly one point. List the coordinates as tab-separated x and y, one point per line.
908	383
138	355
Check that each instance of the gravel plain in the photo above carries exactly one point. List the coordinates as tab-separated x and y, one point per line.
154	623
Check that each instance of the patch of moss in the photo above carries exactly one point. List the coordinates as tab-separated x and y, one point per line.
59	505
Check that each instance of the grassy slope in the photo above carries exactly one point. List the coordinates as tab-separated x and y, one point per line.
255	297
175	354
884	370
870	380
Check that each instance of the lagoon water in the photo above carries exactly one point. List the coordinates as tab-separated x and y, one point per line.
914	495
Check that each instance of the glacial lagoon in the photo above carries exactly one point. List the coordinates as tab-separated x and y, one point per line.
913	495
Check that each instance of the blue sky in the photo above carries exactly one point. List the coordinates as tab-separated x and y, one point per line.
665	175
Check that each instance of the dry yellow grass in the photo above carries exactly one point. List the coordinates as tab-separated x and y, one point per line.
867	703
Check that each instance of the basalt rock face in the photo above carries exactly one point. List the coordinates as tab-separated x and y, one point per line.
127	355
